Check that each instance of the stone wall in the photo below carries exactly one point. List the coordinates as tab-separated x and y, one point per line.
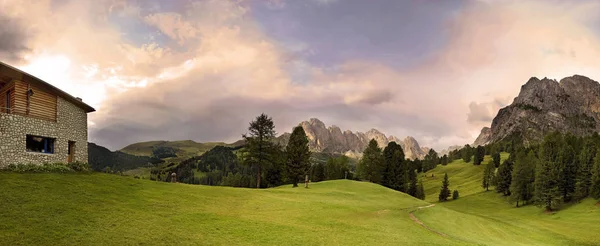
70	125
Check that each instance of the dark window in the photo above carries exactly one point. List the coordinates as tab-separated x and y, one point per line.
40	144
8	102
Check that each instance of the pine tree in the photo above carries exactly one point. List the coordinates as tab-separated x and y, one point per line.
523	176
412	188
584	172
479	155
488	173
455	195
370	165
595	180
504	177
444	160
466	153
298	155
445	191
394	168
420	192
496	159
567	171
259	151
547	192
430	160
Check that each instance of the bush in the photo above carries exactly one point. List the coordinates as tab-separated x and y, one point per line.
455	195
48	168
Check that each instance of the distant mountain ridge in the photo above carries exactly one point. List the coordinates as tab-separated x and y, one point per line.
333	140
544	106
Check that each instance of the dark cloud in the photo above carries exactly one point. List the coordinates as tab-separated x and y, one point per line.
376	97
13	39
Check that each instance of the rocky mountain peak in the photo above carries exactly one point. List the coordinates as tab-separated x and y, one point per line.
543	106
333	140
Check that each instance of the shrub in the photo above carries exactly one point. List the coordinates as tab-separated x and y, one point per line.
48	168
455	195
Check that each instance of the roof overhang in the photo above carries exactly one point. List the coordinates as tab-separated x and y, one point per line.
8	71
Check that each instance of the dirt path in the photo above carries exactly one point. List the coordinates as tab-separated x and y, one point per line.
416	220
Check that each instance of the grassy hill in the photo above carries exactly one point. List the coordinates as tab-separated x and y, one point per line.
185	148
103	209
464	177
486	218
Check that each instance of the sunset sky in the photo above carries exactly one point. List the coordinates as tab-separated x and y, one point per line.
202	70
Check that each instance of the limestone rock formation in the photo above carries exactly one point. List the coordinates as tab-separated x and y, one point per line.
543	106
484	137
333	140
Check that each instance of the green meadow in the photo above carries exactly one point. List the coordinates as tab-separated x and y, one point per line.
105	209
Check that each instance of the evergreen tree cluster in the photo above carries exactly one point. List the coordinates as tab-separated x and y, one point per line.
389	168
560	169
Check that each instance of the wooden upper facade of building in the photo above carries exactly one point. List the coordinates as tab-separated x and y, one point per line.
25	95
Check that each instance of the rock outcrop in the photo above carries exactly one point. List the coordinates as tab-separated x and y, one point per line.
333	140
484	137
543	106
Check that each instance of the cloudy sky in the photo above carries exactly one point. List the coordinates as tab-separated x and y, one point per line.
202	69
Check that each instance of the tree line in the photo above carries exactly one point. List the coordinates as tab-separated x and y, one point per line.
560	169
390	168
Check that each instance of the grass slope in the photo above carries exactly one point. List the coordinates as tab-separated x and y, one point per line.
464	177
186	148
486	218
102	209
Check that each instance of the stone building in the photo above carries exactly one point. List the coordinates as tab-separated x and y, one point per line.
38	122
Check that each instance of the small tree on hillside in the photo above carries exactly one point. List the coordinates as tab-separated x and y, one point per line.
466	153
455	195
394	169
496	159
298	155
420	192
445	191
547	192
488	173
504	178
479	155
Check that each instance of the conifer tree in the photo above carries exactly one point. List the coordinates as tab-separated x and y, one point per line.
488	173
370	165
259	151
595	180
496	159
394	168
298	155
547	192
479	155
523	176
420	193
504	178
585	166
318	172
412	188
567	171
455	195
466	153
445	191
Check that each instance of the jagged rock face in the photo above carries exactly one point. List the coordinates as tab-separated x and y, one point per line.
484	137
333	140
412	150
450	149
543	106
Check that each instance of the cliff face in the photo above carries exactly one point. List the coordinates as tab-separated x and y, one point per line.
484	137
333	140
543	106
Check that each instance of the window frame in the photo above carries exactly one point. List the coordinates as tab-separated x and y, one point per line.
8	105
49	144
